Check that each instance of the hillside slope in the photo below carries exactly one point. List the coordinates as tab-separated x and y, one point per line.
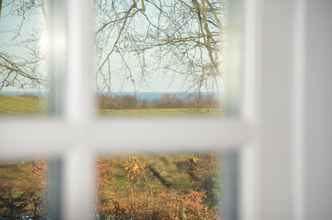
178	186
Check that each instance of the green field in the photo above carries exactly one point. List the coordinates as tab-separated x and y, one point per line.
13	105
161	112
136	185
134	181
22	105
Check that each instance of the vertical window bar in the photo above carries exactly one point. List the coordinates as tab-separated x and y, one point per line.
54	189
55	15
79	184
234	60
79	103
79	189
230	184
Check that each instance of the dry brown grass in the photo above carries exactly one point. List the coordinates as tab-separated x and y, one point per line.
22	105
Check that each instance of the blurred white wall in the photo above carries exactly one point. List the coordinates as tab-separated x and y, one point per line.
318	111
293	65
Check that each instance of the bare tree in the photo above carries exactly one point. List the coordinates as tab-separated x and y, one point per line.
20	55
181	39
136	38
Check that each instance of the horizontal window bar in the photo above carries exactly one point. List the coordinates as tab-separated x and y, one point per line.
30	138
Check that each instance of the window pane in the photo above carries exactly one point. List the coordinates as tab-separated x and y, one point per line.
23	189
23	50
160	57
164	186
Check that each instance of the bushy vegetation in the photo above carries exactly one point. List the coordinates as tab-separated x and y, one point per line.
165	101
22	190
158	187
130	187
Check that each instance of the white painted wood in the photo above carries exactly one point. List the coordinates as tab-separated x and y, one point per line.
274	60
80	80
286	130
79	167
48	137
317	138
79	184
249	202
56	18
298	109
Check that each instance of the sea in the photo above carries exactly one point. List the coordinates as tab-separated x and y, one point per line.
142	96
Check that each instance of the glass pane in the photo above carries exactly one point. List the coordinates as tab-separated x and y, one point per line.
23	50
160	57
23	189
164	186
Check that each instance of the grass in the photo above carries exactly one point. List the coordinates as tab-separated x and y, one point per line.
182	170
172	167
187	173
22	105
154	175
14	105
156	112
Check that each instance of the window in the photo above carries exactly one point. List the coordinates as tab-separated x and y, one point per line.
143	186
78	137
24	78
23	186
280	129
158	58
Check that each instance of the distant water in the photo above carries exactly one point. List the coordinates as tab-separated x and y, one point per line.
23	92
154	96
142	96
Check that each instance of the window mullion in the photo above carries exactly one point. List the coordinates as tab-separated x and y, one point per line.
79	104
56	20
79	166
53	137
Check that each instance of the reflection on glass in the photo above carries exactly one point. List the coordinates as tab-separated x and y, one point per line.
159	57
178	186
23	189
23	50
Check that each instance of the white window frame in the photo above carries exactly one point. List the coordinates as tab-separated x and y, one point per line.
268	135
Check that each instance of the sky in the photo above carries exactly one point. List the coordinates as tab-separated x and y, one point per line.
160	80
157	81
19	44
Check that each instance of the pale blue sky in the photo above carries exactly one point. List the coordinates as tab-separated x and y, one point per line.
18	45
157	81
